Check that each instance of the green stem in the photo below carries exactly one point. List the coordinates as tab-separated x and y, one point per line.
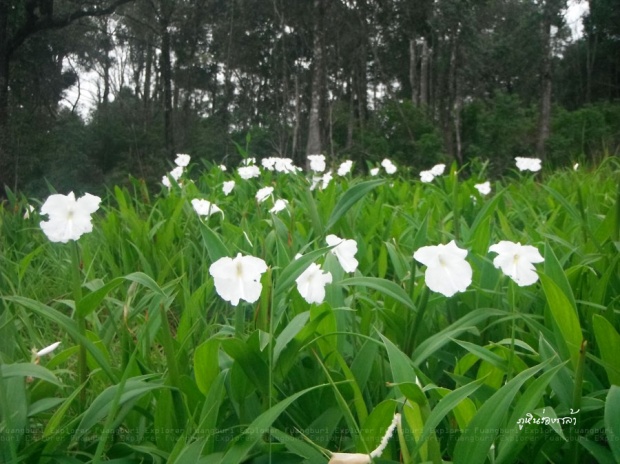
239	321
413	334
513	312
577	400
404	451
174	376
76	277
8	423
455	205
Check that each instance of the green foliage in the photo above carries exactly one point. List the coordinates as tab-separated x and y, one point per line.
176	374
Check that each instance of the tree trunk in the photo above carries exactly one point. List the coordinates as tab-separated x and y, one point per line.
424	74
314	145
5	154
545	96
166	76
413	78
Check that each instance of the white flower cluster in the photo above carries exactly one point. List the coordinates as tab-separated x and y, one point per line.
528	164
284	165
317	162
389	167
447	272
435	171
182	161
239	278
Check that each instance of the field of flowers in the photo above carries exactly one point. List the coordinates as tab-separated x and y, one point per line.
258	313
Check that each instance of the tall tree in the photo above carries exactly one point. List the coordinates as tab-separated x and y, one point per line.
19	21
315	144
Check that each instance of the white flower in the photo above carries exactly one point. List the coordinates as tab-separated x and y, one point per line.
248	172
285	165
228	186
68	218
315	181
47	349
317	163
345	168
182	160
311	284
374	171
177	172
205	207
278	206
426	176
528	164
438	169
268	163
263	194
345	252
575	166
222	167
248	161
29	210
389	167
516	261
239	278
326	179
447	272
484	188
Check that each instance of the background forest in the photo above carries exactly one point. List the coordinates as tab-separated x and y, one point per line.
420	81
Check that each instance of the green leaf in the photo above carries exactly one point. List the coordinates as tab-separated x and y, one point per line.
565	316
608	341
468	322
206	364
475	442
612	420
28	370
295	268
212	242
298	447
67	325
445	406
289	332
259	426
509	442
146	281
250	361
101	406
91	301
400	364
349	198
387	287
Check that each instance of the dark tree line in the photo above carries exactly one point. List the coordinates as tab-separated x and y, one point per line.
416	80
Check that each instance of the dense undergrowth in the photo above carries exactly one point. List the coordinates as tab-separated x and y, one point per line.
499	373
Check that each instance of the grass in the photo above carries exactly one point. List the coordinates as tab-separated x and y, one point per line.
172	373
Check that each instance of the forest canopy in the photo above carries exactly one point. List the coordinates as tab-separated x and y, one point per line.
419	81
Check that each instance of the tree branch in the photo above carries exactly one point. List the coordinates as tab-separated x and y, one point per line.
35	24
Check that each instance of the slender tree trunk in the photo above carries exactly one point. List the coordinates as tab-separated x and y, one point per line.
146	94
314	145
546	82
297	117
424	74
351	121
6	162
166	76
413	78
